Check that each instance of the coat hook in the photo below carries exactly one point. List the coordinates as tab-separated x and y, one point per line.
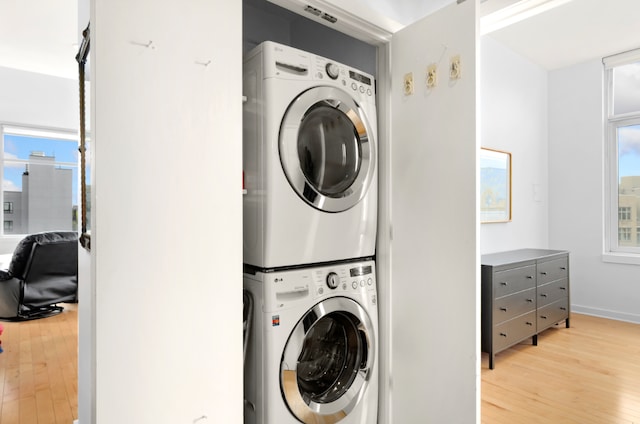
205	64
147	45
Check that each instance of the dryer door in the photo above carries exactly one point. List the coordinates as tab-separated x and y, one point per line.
327	361
327	149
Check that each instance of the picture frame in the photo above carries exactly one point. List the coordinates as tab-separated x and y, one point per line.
495	186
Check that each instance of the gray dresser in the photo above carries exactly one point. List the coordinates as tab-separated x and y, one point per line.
524	292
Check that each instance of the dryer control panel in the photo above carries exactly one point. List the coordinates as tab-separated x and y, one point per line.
284	289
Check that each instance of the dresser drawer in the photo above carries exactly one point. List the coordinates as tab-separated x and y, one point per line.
552	314
514	331
513	305
513	280
553	270
550	292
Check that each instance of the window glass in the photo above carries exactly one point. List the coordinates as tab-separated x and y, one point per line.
628	140
331	356
626	89
329	150
39	181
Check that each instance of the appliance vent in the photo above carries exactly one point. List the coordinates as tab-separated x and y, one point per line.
329	18
313	10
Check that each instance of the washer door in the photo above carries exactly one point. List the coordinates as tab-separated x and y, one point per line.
327	149
327	361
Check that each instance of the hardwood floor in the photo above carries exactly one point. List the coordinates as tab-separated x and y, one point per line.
38	370
589	373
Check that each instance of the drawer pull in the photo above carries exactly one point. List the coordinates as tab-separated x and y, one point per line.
503	309
530	277
503	334
530	300
543	295
504	283
529	323
562	308
563	288
543	273
543	316
564	268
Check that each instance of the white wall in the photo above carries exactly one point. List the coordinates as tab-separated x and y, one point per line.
434	287
514	119
576	169
36	100
166	275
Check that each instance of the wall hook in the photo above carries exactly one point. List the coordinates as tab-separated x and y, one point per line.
205	64
147	45
204	417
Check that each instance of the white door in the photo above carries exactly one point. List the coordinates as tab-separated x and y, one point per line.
433	353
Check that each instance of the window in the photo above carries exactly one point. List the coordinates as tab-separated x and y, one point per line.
622	108
39	180
624	213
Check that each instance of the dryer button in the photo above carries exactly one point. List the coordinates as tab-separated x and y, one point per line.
368	92
361	89
369	281
354	285
354	86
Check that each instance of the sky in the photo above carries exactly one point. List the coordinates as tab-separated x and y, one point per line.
629	151
626	99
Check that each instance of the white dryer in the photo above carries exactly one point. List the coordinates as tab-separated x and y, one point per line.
313	346
309	159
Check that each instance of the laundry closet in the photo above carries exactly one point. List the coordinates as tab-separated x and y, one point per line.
426	254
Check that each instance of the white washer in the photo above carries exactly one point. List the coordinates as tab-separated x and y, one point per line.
313	346
309	158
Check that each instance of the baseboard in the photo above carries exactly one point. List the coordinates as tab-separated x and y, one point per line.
604	313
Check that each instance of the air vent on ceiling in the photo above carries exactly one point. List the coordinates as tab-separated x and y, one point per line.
329	18
313	10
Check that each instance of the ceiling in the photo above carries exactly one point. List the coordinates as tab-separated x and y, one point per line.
575	32
42	35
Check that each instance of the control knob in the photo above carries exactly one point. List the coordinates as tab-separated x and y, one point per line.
333	280
332	70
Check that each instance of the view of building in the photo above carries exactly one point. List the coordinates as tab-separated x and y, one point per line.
629	211
45	202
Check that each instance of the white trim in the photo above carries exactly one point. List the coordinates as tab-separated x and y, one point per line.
605	313
619	59
358	21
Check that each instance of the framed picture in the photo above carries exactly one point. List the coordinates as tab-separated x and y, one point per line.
495	186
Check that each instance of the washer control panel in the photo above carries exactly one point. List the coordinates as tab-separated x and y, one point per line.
288	288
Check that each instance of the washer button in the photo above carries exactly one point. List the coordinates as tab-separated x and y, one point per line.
361	283
354	86
368	92
361	89
369	281
354	284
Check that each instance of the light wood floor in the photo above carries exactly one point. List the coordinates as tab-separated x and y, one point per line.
38	370
587	374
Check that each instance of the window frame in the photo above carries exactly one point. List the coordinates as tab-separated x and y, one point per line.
613	250
30	131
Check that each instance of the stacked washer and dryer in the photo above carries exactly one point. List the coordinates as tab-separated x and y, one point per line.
310	217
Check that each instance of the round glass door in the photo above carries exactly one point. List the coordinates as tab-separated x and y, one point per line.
326	149
327	361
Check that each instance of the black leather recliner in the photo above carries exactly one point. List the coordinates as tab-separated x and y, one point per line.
43	272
